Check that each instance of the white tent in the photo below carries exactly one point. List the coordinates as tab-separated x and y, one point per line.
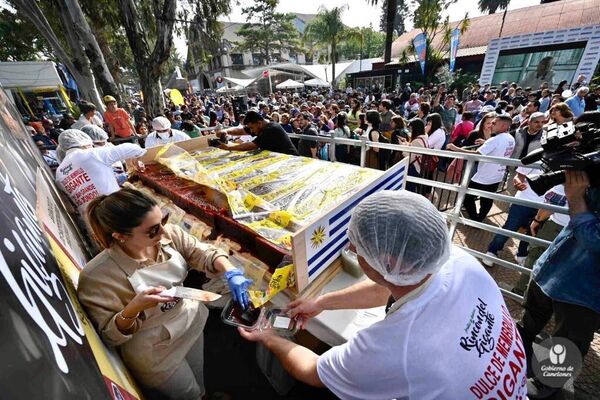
290	84
29	75
241	82
316	82
225	89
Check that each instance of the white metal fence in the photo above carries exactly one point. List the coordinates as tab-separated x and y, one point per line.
453	214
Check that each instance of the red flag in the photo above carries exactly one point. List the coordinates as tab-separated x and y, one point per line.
265	73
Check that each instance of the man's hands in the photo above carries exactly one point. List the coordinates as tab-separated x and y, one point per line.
256	335
519	182
304	309
576	184
451	147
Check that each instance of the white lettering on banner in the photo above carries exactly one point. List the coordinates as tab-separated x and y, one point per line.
37	287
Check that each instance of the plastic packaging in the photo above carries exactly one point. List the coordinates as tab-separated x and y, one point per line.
264	318
350	263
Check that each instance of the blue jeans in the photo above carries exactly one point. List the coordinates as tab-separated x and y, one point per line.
518	217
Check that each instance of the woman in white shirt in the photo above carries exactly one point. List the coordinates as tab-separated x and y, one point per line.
435	131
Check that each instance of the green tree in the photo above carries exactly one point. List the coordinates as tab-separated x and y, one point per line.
362	43
150	44
391	8
402	13
491	6
438	30
267	32
328	29
20	40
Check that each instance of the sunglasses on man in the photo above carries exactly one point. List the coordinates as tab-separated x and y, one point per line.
155	229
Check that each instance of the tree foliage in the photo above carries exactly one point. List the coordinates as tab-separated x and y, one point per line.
491	6
20	40
267	32
328	29
402	13
428	17
362	43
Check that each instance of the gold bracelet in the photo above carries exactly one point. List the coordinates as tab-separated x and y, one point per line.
120	314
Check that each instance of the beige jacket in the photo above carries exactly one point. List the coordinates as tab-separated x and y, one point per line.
160	339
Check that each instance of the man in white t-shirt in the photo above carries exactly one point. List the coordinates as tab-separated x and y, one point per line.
447	333
519	216
488	175
163	133
86	172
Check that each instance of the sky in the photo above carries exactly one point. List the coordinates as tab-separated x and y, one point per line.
358	12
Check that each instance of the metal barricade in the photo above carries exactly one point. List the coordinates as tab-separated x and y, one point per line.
451	190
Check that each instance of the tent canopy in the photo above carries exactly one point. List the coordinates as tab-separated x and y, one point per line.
290	84
29	74
316	82
225	89
244	83
177	81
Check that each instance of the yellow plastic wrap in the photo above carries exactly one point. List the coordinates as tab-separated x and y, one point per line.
273	194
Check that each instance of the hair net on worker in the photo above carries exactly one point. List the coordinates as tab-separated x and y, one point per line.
95	133
70	139
161	124
401	235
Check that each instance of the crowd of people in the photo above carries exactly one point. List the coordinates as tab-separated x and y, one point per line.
407	256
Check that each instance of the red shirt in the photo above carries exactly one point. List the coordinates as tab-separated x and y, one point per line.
119	121
463	129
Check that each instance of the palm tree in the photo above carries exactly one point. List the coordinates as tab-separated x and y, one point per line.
390	15
491	6
327	29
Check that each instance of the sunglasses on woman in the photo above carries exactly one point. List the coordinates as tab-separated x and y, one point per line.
155	229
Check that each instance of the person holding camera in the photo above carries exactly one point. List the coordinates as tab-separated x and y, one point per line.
566	280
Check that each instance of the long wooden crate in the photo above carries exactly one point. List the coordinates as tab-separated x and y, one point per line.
317	245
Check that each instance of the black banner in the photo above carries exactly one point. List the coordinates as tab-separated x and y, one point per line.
45	354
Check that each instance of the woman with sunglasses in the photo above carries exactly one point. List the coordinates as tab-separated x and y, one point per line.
160	338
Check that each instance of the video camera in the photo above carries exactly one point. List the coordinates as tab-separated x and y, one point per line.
567	146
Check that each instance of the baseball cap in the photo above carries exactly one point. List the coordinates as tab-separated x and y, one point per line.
108	99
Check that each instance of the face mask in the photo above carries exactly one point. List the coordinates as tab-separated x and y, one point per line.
164	135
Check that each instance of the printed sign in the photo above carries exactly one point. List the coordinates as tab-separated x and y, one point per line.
420	43
454	43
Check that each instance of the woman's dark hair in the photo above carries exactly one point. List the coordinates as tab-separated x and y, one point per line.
374	119
119	212
560	88
212	118
436	122
85	107
399	122
340	120
356	105
425	108
187	126
417	127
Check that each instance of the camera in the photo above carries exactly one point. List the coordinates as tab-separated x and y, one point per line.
567	146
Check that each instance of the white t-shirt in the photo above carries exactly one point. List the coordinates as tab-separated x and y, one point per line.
561	219
85	174
456	340
436	139
529	194
501	145
154	139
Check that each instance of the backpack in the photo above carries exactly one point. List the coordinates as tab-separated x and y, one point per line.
428	163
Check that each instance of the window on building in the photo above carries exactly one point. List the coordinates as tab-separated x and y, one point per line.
237	59
256	59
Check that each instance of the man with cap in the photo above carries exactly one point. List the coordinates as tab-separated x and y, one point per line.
447	332
119	123
519	217
163	133
85	172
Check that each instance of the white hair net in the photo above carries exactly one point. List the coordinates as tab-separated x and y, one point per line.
70	139
401	235
95	133
160	124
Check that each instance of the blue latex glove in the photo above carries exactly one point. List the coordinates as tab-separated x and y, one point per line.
238	284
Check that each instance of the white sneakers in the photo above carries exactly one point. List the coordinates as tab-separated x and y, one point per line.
487	263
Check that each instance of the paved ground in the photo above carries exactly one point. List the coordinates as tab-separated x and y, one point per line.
587	385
